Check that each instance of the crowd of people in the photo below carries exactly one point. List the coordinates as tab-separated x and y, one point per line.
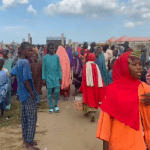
108	78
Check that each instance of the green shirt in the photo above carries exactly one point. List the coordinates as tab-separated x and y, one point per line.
8	65
51	71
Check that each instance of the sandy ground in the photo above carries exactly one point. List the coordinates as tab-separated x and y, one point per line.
68	130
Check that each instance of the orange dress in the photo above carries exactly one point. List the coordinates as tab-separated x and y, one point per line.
122	137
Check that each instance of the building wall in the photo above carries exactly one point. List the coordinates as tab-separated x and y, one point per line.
30	40
55	42
62	39
70	42
29	37
23	40
134	45
74	46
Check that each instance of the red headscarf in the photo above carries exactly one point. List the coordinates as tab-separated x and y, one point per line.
79	51
121	97
45	51
91	57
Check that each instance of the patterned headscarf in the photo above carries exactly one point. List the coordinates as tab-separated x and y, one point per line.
133	56
121	97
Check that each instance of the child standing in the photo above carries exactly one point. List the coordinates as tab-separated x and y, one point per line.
52	76
77	73
36	69
27	95
8	64
4	84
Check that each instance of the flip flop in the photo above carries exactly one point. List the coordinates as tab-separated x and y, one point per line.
56	110
51	111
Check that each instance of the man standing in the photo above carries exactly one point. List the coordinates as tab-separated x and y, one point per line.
144	59
27	95
121	50
41	54
92	48
126	46
52	76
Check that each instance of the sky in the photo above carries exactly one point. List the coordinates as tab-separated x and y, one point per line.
79	20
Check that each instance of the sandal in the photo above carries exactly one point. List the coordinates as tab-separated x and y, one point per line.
51	111
56	110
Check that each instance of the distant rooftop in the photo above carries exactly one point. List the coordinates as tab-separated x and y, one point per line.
55	38
129	39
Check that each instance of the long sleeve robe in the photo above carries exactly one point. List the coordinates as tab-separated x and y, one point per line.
122	137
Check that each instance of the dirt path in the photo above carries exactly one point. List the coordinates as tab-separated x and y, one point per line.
68	130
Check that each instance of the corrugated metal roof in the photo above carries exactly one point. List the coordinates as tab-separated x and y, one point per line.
133	39
113	39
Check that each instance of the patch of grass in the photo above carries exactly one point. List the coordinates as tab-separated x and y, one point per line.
43	105
14	114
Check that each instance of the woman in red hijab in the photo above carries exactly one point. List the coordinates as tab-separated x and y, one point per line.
124	122
92	84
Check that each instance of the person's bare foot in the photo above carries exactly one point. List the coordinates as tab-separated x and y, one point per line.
65	98
32	144
87	114
32	148
93	119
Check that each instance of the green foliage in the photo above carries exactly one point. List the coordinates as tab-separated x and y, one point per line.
43	105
